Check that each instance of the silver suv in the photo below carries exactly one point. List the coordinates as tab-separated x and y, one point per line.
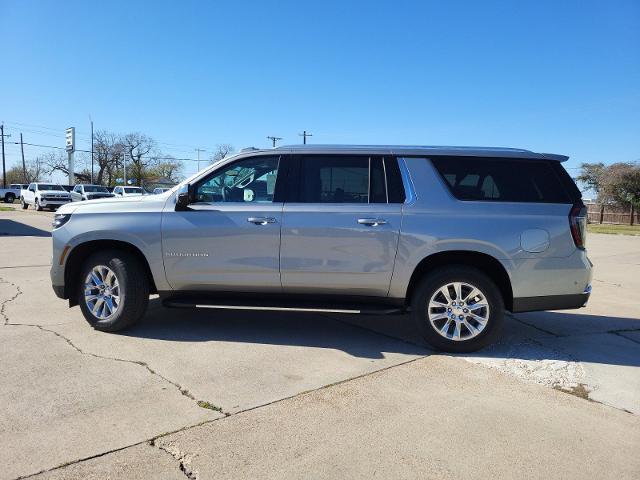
452	236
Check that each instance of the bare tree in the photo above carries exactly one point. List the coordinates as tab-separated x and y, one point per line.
107	149
58	162
222	150
141	152
169	169
34	169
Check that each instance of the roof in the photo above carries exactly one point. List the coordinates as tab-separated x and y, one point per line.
413	150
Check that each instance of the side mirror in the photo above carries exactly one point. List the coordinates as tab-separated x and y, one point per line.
183	199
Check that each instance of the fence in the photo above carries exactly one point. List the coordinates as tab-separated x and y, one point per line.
602	213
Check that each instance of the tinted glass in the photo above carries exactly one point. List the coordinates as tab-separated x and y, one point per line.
395	187
502	179
248	180
334	179
95	189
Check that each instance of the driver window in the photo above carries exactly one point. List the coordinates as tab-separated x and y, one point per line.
249	180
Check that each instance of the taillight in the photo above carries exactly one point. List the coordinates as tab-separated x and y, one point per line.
578	224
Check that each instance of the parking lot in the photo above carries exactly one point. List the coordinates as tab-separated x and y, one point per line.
271	395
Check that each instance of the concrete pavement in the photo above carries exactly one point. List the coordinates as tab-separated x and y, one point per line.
378	404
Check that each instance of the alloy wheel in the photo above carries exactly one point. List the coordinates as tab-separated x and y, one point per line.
458	311
102	292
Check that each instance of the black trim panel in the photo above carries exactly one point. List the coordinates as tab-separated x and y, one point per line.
59	290
549	302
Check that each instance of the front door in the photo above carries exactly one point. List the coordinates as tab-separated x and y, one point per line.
340	235
229	239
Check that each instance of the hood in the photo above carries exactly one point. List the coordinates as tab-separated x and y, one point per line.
115	204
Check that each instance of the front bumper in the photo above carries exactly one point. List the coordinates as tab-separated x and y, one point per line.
59	291
53	203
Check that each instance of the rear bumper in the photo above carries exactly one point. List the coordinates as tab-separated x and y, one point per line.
551	302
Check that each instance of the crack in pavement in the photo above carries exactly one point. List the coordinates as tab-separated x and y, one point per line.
185	392
184	459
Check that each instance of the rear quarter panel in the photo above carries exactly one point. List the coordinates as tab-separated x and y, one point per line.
435	221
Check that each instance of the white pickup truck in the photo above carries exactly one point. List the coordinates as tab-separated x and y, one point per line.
44	195
8	195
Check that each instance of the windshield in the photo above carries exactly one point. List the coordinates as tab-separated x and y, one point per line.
95	188
44	186
133	190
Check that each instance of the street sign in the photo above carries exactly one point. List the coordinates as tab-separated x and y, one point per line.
70	138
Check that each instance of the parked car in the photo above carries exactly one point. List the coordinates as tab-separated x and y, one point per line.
158	190
8	195
44	195
128	191
89	192
451	236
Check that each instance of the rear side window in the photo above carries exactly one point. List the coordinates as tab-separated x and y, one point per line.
503	179
349	179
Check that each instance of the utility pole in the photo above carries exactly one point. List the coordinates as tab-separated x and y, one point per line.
24	165
198	150
274	140
304	136
124	165
91	150
4	168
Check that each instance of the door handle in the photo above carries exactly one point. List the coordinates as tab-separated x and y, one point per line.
261	220
372	222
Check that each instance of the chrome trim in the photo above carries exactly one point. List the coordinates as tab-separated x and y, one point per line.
407	182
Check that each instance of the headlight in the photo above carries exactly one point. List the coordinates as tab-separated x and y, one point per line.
60	219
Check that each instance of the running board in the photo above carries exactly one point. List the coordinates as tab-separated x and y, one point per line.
288	307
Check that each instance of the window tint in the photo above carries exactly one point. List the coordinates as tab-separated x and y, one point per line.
342	179
502	179
395	188
248	180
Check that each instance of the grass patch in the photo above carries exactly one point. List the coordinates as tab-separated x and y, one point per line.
614	229
6	209
209	406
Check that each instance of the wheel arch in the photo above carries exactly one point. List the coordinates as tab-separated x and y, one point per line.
482	261
80	252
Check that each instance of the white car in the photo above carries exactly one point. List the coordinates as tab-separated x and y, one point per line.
159	190
11	193
44	195
82	192
128	191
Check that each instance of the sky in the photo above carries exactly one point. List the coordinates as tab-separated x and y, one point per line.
549	76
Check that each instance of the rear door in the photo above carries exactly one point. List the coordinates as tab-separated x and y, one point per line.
229	238
340	229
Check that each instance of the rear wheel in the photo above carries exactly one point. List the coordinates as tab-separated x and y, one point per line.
24	204
9	198
458	309
37	206
113	290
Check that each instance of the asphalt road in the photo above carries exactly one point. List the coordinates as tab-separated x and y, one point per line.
270	395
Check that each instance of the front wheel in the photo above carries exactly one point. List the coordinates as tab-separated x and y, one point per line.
458	309
113	290
37	206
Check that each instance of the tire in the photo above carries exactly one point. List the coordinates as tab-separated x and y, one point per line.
37	206
9	198
132	292
432	318
24	204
